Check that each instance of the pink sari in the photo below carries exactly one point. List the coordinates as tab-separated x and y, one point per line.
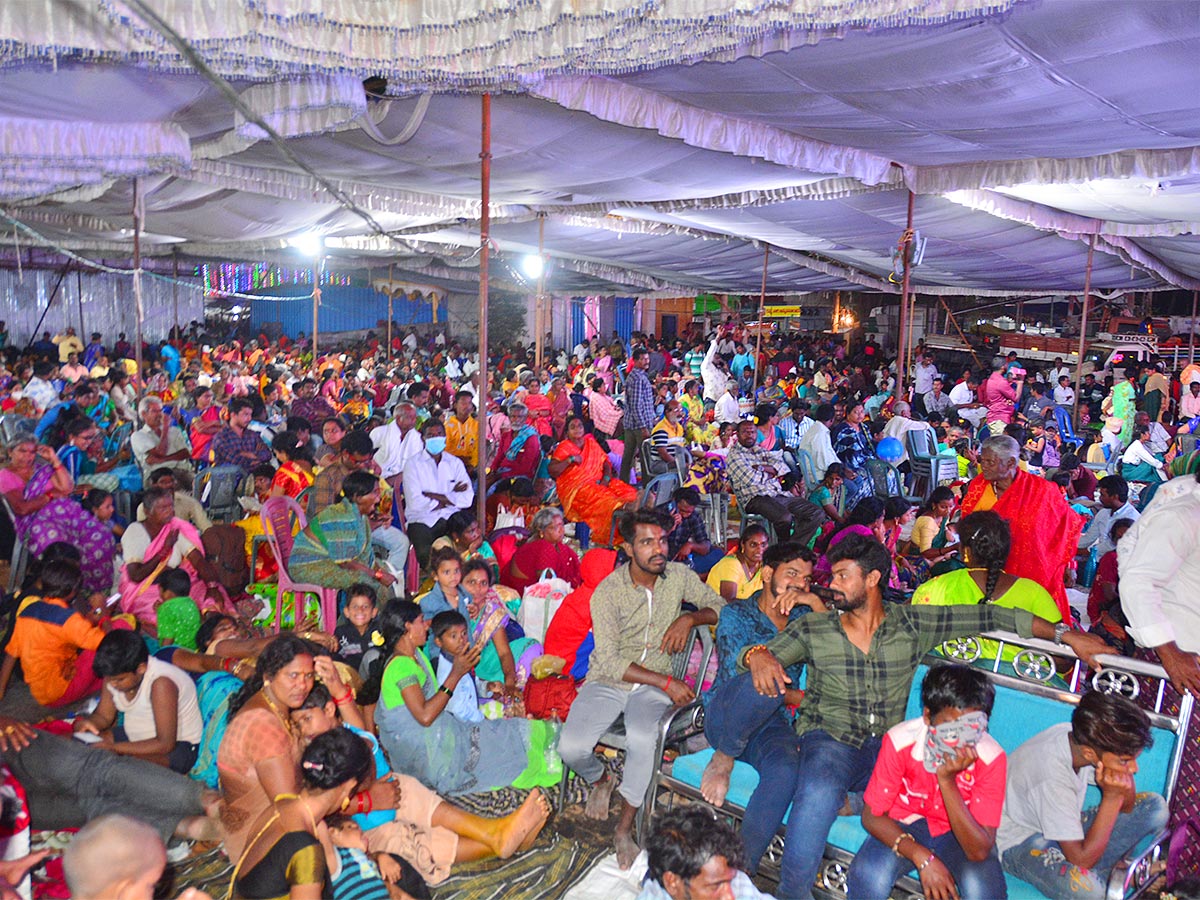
141	599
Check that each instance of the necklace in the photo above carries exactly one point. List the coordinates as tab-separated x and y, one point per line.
286	720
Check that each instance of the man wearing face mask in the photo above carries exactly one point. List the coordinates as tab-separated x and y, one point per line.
860	666
435	487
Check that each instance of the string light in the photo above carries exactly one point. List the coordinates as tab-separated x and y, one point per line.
224	278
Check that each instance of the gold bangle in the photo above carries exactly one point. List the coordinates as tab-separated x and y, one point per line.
899	838
750	651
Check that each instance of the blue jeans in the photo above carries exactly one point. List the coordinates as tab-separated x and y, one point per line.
826	770
701	565
774	752
876	868
1041	862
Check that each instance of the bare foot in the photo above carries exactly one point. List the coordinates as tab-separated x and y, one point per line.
714	783
524	825
599	797
627	848
210	802
200	828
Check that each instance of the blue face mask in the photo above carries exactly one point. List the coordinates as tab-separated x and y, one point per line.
435	445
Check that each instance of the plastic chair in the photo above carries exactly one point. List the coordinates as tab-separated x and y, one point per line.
280	515
1062	418
749	519
652	464
217	489
658	490
808	469
928	468
12	425
887	481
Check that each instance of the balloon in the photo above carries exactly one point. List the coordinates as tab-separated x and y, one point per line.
890	450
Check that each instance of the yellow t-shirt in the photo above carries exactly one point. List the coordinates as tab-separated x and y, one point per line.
730	569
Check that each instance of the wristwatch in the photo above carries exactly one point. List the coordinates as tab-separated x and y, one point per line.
1060	629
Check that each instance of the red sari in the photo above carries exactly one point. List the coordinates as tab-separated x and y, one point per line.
583	497
1045	530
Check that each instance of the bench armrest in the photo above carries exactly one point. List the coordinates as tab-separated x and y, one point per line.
1132	875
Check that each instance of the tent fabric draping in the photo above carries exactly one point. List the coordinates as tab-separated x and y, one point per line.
1021	126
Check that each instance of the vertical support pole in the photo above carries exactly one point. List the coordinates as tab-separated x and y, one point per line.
1192	331
539	304
485	190
1083	317
389	325
762	305
837	309
174	291
79	298
137	284
902	347
316	298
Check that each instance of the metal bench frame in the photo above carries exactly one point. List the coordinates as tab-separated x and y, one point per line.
1035	667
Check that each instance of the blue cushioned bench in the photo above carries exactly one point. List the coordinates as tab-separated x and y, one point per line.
1025	705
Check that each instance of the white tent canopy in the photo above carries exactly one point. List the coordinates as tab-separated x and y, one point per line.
663	146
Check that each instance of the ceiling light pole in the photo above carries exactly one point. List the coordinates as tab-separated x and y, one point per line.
485	177
1087	289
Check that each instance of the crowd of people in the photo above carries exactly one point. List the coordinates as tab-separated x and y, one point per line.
326	757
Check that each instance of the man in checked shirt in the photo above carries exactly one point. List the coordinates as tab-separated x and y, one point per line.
860	665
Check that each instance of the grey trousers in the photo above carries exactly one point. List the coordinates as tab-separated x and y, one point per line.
593	713
69	783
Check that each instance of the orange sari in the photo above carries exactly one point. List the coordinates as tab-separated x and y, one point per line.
1045	531
583	497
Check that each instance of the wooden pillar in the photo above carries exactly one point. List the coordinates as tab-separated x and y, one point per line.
1083	317
485	178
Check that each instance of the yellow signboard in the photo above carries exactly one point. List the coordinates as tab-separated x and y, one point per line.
782	312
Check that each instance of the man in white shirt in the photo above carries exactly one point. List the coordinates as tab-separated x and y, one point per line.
728	409
901	423
39	389
1064	394
159	442
712	371
1059	371
923	374
1114	505
817	443
962	395
435	487
397	442
1161	556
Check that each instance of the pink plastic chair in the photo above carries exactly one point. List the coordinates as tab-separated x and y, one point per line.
280	515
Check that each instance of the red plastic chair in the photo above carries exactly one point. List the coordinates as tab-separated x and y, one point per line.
280	516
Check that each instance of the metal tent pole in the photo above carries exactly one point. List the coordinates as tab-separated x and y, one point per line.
485	177
762	303
1087	288
137	283
902	346
1192	331
539	303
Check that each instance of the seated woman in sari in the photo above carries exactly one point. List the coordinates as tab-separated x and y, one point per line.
288	855
163	541
986	540
40	497
206	423
545	549
485	613
444	753
540	407
935	547
1138	463
520	449
83	444
466	539
852	443
335	550
587	485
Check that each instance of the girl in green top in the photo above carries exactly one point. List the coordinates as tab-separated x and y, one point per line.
985	540
445	753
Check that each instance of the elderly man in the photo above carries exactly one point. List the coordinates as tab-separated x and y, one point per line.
755	476
1160	438
1045	530
901	424
397	442
159	442
637	622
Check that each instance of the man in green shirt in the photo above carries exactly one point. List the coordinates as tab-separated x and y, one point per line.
637	623
860	667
